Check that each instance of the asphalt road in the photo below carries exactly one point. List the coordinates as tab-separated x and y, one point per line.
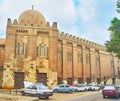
77	96
93	97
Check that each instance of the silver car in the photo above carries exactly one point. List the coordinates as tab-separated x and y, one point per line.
63	88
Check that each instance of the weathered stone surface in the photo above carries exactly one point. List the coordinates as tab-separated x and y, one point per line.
32	46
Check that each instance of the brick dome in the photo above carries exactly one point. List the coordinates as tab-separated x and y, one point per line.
32	18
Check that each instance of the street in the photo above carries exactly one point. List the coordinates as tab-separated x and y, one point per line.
76	96
94	97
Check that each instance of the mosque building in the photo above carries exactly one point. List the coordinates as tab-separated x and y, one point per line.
36	51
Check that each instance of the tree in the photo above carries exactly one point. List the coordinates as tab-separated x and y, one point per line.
113	45
118	6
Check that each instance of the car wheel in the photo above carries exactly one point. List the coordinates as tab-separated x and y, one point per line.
55	91
23	93
117	96
70	91
103	96
37	94
47	97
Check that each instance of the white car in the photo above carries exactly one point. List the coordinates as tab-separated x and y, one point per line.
92	87
79	87
40	91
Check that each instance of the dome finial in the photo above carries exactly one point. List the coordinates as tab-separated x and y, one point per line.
32	7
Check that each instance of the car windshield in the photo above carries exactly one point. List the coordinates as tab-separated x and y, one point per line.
42	87
30	87
79	85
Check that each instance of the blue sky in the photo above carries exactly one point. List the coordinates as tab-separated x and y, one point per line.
87	19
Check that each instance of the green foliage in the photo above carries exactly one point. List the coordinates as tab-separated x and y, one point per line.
114	44
118	6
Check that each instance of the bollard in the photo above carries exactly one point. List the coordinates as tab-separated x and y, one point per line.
10	91
16	91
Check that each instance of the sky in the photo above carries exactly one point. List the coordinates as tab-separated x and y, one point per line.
87	19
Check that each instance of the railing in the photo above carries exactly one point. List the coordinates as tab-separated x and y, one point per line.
10	91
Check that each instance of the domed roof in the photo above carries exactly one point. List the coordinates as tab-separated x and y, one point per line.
31	17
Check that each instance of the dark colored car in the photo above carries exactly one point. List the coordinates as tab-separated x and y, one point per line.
63	88
110	91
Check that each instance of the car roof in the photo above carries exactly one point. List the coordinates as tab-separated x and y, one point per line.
63	85
109	87
27	84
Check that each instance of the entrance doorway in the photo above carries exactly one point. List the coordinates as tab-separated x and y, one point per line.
88	80
69	81
19	80
42	78
80	80
60	81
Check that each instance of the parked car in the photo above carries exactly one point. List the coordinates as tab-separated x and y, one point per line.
92	87
101	86
63	88
38	90
117	85
110	91
79	87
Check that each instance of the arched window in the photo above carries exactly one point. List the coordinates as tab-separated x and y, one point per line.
23	48
20	49
69	56
97	58
59	54
79	58
42	50
87	59
45	50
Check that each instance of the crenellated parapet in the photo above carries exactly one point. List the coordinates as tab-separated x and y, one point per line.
16	23
78	40
9	22
54	25
47	25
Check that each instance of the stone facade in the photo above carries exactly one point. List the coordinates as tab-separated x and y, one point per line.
35	49
2	54
96	65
